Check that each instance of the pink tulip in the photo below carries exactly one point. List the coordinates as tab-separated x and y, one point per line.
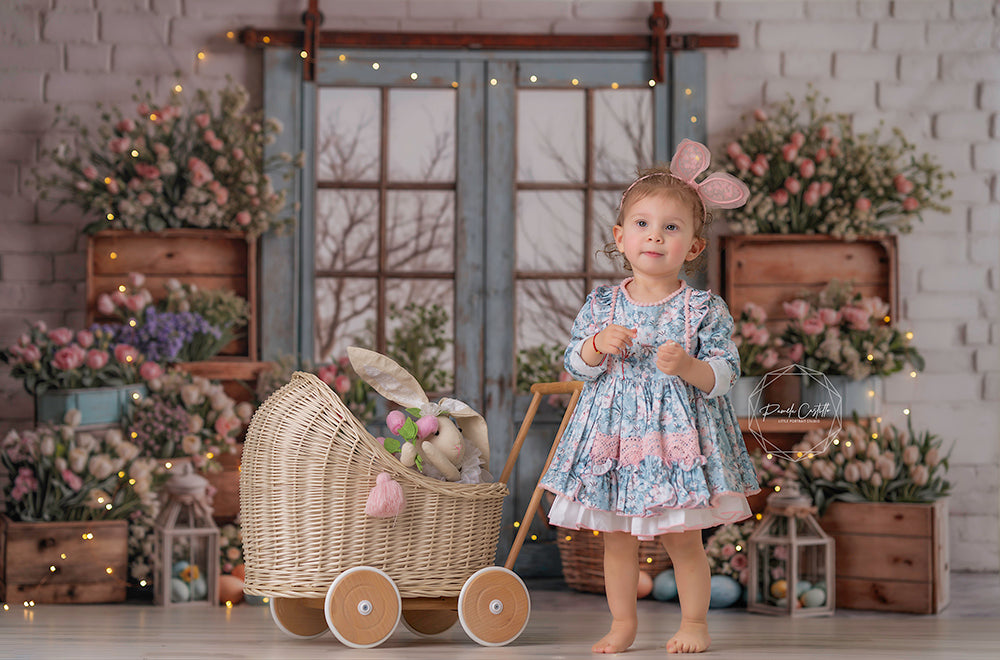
327	373
342	384
85	338
812	326
427	425
203	119
797	139
72	479
760	115
807	168
796	309
96	359
755	311
825	188
829	316
136	302
761	337
780	197
60	336
126	354
90	172
243	218
150	371
821	155
136	279
856	317
910	204
30	354
395	420
734	149
789	152
118	298
863	204
792	185
758	169
743	162
795	352
811	196
69	358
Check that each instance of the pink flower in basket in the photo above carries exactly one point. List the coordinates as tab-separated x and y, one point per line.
68	358
796	309
728	550
24	483
874	306
342	384
327	374
856	317
812	325
796	352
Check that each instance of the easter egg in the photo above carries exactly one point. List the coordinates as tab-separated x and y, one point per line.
779	589
645	586
781	602
199	589
813	598
230	589
725	591
178	567
179	591
240	571
802	587
665	586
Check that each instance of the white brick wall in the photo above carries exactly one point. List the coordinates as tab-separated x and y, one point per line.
930	66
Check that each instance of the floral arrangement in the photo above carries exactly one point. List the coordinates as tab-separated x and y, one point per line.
230	547
871	462
840	332
189	325
177	164
56	473
340	376
727	551
186	416
758	349
63	359
809	172
769	472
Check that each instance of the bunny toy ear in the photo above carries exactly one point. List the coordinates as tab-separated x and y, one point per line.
386	377
723	191
474	431
690	160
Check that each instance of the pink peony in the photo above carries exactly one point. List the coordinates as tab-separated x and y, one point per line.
807	168
97	359
734	149
72	479
761	337
203	120
243	218
30	354
136	302
90	172
126	354
821	155
792	185
910	204
341	384
147	171
105	305
780	196
200	172
60	336
797	139
829	316
150	370
856	317
863	204
738	562
85	338
789	152
395	420
903	185
69	358
226	424
874	306
795	352
728	551
769	358
812	326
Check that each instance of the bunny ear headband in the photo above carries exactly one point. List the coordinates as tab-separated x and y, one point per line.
718	190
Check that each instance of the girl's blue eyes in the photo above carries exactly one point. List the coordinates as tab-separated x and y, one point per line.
642	224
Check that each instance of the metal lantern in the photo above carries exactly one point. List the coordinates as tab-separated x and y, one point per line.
791	559
187	543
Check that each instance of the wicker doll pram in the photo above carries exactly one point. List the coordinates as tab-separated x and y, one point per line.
308	466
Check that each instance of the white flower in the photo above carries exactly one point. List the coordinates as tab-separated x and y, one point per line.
191	395
87	441
127	451
73	417
191	444
78	459
195	423
113	437
47	446
101	466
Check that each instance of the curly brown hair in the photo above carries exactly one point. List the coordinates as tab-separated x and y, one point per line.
659	181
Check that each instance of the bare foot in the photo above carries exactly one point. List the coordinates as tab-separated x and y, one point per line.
619	638
691	637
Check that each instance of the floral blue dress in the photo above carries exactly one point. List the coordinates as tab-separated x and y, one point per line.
646	452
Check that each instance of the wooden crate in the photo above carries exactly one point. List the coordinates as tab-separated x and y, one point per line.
891	557
209	258
769	269
28	551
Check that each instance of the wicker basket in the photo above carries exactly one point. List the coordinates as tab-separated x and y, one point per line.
308	465
582	554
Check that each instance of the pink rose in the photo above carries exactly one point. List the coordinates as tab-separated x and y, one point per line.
825	188
789	152
734	149
863	204
792	185
910	204
807	168
856	317
795	352
113	187
161	150
145	198
761	337
221	196
395	420
755	311
150	370
780	196
327	374
85	338
97	359
748	330
728	551
903	185
60	336
142	109
341	384
200	172
90	172
760	115
829	316
147	171
125	126
243	218
226	424
812	326
834	151
796	309
238	153
30	354
136	302
126	354
119	145
769	358
203	120
118	298
874	306
738	562
821	155
797	139
72	479
69	358
743	162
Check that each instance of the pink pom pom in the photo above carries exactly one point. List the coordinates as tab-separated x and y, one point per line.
395	421
385	500
426	426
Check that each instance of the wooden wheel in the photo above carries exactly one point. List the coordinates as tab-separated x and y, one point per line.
429	622
362	607
296	618
494	606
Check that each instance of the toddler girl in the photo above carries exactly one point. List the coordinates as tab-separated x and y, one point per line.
653	448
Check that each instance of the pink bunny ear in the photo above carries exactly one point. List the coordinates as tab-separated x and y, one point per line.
723	191
690	160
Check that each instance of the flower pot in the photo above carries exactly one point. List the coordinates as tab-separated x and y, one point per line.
861	397
740	395
97	405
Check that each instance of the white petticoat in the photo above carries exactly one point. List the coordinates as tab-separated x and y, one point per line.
573	515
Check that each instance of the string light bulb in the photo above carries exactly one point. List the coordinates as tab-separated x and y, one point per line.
113	255
266	39
906	411
375	65
534	537
413	75
111	216
909	335
201	55
178	89
493	82
533	78
687	91
614	85
454	84
134	153
303	54
517	523
342	57
652	83
694	119
230	35
575	81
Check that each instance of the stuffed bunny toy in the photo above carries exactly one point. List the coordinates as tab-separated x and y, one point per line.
442	448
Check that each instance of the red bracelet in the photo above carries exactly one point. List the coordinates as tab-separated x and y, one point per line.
594	342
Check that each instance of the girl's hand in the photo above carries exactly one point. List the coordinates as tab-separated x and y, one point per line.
672	359
614	340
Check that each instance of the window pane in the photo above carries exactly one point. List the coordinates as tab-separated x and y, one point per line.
422	135
420	231
346	230
605	213
546	310
423	293
550	135
549	231
345	316
623	133
347	134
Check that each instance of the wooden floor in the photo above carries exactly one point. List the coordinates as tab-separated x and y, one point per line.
563	624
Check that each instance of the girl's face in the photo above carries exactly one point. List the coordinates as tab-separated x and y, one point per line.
657	236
